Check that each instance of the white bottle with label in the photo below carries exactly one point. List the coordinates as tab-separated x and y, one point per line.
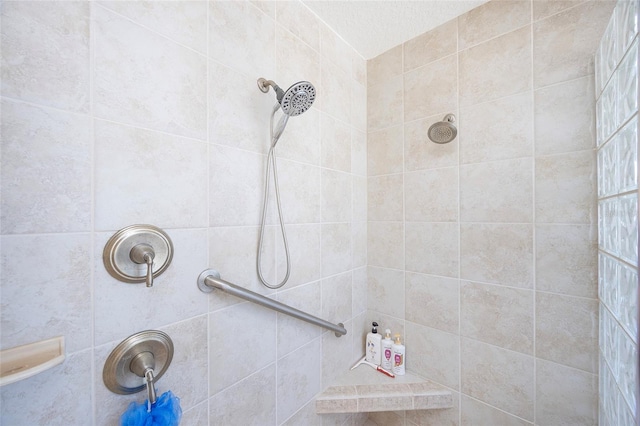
398	354
372	349
387	344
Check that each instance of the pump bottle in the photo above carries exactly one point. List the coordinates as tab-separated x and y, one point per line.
372	349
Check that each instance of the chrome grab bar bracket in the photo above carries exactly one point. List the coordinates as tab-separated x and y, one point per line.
207	273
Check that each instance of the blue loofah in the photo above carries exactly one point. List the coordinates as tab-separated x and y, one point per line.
165	412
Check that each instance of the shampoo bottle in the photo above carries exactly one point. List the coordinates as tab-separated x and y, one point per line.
372	351
387	363
398	353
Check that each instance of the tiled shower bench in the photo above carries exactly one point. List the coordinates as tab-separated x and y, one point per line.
365	390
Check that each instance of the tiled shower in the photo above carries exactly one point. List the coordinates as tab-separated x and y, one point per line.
482	252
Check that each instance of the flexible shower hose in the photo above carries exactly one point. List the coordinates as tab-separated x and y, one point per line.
271	161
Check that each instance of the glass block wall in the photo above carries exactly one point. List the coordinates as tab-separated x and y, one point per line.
616	65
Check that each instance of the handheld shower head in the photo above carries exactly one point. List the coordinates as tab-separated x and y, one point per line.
443	131
295	100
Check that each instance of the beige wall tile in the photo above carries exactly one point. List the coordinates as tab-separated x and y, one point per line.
565	395
359	291
332	46
190	348
335	91
336	298
385	246
302	367
359	68
64	394
499	191
301	138
385	104
383	67
448	417
565	117
432	248
425	356
384	151
46	170
387	418
184	22
305	251
496	68
499	254
384	197
431	46
131	63
242	37
358	152
336	355
34	39
492	19
497	315
177	171
564	44
567	330
497	130
386	292
498	377
336	196
420	153
431	89
298	19
240	118
431	195
359	106
293	333
198	415
238	178
231	249
359	199
566	260
359	244
300	192
545	8
336	248
295	61
40	307
566	188
242	319
232	407
475	412
432	301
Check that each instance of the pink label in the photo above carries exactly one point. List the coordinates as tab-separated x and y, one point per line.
387	354
397	360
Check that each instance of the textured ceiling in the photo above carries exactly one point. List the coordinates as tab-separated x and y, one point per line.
373	27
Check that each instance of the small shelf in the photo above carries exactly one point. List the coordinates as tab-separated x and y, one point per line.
25	361
365	390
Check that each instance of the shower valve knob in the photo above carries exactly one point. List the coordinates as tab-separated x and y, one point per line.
138	253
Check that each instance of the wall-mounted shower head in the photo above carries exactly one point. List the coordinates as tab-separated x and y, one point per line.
295	100
443	131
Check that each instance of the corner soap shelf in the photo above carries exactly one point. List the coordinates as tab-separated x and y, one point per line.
25	361
365	390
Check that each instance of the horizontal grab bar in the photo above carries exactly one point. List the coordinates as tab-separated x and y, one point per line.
209	280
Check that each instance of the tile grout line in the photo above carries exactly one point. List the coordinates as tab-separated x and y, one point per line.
92	50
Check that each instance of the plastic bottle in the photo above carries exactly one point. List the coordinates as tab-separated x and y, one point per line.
398	353
386	345
372	349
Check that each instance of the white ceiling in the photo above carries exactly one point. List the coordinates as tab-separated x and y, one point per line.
373	27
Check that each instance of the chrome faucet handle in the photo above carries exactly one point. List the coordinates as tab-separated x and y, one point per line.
143	253
129	249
